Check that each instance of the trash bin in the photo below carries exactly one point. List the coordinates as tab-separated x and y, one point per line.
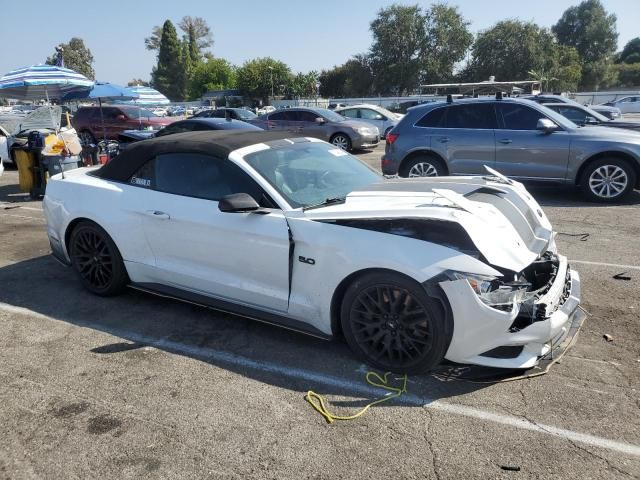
25	161
54	164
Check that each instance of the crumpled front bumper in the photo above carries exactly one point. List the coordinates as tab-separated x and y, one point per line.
485	336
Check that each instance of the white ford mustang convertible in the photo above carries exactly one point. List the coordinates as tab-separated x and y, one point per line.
298	233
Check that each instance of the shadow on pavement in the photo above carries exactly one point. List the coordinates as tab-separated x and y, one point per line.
566	196
245	347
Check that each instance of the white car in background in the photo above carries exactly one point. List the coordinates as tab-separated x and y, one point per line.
298	233
626	104
382	118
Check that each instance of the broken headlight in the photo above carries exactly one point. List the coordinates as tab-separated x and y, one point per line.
492	290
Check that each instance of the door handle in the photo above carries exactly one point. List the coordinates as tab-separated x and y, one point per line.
506	141
158	214
443	139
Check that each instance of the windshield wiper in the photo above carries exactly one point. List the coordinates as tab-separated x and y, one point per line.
325	203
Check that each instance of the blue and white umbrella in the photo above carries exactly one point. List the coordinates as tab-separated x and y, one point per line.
147	96
42	81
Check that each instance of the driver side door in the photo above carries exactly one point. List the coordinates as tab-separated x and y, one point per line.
237	257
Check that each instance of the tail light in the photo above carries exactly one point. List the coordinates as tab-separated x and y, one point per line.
392	137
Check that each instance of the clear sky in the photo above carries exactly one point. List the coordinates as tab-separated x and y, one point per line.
305	34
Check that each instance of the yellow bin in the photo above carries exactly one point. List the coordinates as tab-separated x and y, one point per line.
25	161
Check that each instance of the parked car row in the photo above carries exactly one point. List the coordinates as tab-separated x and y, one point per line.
608	111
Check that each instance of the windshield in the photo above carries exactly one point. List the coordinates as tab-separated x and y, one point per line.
245	114
139	113
311	172
329	115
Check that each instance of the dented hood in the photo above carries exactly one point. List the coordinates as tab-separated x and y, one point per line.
504	222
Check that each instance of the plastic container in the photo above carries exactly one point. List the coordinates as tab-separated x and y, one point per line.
54	164
25	161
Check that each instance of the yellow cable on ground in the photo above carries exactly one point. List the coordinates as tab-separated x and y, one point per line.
317	402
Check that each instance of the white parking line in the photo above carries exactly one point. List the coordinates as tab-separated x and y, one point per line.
602	264
348	385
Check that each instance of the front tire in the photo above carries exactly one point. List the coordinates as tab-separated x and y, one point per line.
97	260
391	323
341	140
608	180
423	166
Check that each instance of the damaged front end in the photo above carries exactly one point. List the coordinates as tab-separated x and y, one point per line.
514	320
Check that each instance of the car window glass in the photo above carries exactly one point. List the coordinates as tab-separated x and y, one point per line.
518	117
476	115
304	116
369	114
434	118
110	113
351	113
195	175
280	116
574	114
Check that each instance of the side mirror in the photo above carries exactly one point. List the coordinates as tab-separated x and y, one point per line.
320	121
379	117
591	121
545	125
239	203
121	118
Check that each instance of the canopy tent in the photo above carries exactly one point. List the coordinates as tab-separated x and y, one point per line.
101	91
146	96
42	82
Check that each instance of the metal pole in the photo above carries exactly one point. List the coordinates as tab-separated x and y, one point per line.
104	129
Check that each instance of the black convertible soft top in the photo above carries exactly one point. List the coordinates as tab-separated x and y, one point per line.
214	143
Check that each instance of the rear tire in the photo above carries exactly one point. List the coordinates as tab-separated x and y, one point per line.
423	166
607	180
391	323
97	260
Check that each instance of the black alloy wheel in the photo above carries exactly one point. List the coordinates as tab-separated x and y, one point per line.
393	324
96	259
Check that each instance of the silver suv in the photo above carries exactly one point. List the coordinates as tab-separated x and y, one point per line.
519	138
321	123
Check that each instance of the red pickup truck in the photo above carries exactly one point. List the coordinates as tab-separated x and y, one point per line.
117	118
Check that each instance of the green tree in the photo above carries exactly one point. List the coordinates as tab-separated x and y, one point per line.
332	82
631	52
213	74
447	41
432	42
168	75
592	32
138	81
76	57
352	79
397	50
257	78
195	31
197	35
511	49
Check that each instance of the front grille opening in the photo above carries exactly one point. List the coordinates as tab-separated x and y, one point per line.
505	351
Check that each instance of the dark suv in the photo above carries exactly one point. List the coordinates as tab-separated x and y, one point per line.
88	122
519	138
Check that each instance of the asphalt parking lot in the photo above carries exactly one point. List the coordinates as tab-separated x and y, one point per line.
139	386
